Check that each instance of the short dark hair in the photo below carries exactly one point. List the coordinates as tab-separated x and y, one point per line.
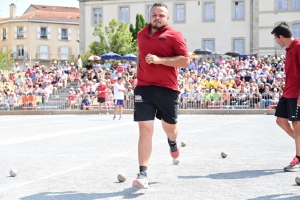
159	4
282	29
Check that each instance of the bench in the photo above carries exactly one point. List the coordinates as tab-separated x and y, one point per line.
29	107
238	107
48	108
272	107
216	106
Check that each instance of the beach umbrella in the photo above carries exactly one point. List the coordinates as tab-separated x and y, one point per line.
111	55
94	58
130	57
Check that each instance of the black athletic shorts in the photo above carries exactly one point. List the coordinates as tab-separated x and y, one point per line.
101	100
287	108
155	101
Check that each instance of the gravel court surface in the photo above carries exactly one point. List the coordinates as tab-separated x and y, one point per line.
80	156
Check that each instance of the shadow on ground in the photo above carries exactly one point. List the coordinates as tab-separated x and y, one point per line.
128	193
237	175
277	196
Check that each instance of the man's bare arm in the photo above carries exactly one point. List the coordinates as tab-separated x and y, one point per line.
176	61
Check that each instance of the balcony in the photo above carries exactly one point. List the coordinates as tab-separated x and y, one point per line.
19	56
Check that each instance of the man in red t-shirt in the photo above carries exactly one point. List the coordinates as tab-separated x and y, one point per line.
101	95
162	51
288	107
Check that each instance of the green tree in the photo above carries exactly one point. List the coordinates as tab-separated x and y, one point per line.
6	62
140	23
116	37
101	46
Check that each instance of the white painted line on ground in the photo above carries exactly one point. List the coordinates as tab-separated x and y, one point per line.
215	126
36	124
45	177
69	170
58	133
26	117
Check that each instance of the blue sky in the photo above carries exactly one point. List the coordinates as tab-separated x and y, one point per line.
22	5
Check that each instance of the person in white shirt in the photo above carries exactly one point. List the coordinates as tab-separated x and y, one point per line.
64	78
119	90
16	68
125	64
79	62
26	67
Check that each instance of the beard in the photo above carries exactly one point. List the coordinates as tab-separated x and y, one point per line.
157	27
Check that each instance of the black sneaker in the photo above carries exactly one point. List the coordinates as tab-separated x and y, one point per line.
294	166
141	181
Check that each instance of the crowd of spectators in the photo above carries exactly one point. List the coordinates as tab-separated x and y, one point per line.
244	83
31	85
205	83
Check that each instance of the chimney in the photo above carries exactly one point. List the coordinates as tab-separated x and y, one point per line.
12	10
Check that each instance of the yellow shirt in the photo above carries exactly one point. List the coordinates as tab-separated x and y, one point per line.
230	83
207	84
215	83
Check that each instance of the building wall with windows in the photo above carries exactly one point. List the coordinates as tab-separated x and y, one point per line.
200	22
219	25
271	13
41	39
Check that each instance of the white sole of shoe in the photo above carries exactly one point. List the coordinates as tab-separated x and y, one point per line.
138	184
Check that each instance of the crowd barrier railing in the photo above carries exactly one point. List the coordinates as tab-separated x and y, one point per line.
65	102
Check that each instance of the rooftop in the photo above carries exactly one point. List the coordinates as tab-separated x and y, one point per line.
54	8
50	16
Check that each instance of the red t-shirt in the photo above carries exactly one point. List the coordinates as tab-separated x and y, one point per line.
101	88
292	70
166	42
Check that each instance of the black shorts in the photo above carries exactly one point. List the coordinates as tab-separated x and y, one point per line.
155	101
101	100
287	108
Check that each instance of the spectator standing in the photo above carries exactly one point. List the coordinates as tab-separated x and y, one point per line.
162	51
119	90
101	89
79	62
288	105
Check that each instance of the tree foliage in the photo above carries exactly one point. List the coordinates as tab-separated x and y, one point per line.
6	62
101	46
140	23
115	37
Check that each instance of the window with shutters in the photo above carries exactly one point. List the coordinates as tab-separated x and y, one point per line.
43	52
4	36
20	51
4	49
20	32
64	34
43	33
64	53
